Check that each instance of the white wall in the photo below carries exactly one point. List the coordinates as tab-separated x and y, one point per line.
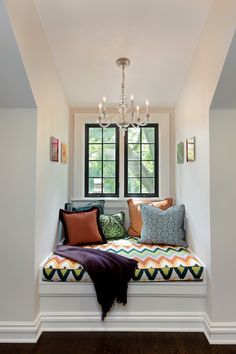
223	230
17	216
225	94
15	91
192	119
52	120
222	190
17	180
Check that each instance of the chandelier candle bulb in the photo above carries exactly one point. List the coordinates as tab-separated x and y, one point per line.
147	106
104	103
100	108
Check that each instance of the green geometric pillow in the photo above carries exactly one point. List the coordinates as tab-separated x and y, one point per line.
113	225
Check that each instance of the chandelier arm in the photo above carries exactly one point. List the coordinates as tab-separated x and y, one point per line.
104	125
103	121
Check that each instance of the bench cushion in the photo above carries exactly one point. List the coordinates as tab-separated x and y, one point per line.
155	263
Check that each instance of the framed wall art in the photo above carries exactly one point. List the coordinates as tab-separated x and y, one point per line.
54	149
190	149
180	153
63	153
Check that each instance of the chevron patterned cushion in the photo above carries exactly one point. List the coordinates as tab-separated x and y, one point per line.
163	226
155	263
113	225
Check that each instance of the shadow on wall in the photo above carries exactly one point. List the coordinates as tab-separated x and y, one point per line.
222	128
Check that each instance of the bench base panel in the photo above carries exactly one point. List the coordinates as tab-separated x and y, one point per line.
152	307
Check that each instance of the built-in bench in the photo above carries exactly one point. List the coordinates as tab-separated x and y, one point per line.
167	295
152	306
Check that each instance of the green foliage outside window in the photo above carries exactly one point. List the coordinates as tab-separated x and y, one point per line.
141	160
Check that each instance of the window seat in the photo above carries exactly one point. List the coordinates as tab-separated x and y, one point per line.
168	292
155	263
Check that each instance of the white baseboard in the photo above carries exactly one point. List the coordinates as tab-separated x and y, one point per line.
29	332
219	332
20	332
128	322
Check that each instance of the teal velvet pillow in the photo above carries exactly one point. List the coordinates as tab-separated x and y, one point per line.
163	226
113	225
75	207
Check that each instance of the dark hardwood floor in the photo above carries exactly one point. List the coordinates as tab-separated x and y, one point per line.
118	343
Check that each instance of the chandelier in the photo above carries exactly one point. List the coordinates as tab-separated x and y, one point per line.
127	115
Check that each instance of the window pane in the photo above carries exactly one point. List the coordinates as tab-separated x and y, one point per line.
148	135
133	168
133	152
133	185
109	185
95	185
148	185
109	135
133	135
95	168
148	168
109	169
141	169
148	152
109	151
95	135
95	152
101	149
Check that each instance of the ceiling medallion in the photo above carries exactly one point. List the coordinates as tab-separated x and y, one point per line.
127	114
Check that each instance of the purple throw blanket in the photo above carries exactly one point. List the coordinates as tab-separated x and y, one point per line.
109	272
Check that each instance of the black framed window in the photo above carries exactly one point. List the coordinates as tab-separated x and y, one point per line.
141	161
101	161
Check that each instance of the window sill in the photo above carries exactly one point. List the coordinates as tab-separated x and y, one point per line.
112	199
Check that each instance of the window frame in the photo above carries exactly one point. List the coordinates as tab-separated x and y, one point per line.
82	116
156	167
86	162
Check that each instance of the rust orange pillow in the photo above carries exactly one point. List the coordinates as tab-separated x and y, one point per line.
82	227
135	212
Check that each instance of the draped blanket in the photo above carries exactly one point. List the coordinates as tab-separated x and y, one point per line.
109	272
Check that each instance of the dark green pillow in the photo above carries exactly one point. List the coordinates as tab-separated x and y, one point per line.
75	207
113	225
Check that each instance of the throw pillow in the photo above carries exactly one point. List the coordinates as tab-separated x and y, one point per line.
163	226
135	212
82	227
75	207
113	225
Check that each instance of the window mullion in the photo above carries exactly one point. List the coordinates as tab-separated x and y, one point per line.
140	156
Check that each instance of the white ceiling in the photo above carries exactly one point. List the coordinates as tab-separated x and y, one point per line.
87	36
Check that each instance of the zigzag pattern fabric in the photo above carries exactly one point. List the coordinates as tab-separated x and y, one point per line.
155	263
